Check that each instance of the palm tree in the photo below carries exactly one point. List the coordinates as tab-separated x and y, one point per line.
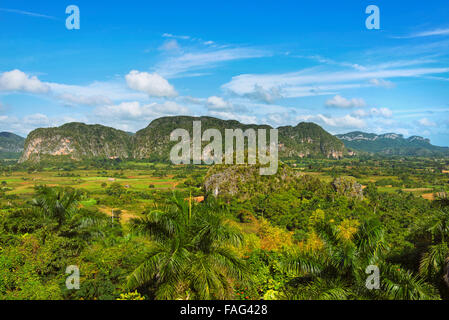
60	208
337	270
56	204
435	262
193	252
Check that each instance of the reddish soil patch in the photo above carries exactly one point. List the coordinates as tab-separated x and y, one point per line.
428	196
196	199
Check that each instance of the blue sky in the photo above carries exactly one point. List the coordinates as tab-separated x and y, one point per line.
275	62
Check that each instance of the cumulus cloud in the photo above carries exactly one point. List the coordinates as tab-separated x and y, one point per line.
265	95
37	119
170	46
24	125
344	122
17	80
96	93
122	110
170	108
151	83
373	112
427	123
193	100
93	100
218	104
382	83
382	112
341	102
275	118
279	118
136	111
246	119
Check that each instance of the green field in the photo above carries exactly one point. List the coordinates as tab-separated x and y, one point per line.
109	219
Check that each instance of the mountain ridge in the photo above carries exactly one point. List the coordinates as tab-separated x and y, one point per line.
11	145
391	144
79	141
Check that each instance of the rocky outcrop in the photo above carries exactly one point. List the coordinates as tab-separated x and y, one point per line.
244	181
349	187
77	141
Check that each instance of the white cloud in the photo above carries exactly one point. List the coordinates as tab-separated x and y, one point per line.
373	112
85	100
428	33
151	83
218	104
170	46
382	83
309	81
137	111
190	61
170	108
276	118
28	13
193	100
169	35
382	112
267	96
373	67
316	90
17	80
341	102
96	93
26	124
37	119
321	59
279	119
427	123
246	119
344	122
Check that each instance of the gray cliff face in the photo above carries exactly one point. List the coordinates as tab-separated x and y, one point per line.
78	141
349	187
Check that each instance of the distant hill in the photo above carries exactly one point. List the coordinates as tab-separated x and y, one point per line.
308	139
391	144
78	141
11	145
154	140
